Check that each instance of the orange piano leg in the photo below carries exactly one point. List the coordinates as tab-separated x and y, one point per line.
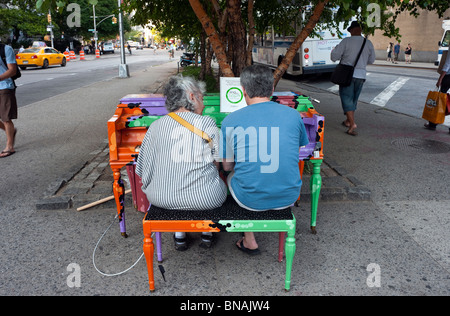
119	196
149	250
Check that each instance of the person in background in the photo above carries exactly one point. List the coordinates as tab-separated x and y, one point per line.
396	52
408	52
390	49
444	84
8	102
347	52
179	170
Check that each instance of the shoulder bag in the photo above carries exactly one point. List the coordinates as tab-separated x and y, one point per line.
343	74
192	128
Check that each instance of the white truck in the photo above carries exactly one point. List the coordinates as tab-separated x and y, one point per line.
445	42
312	57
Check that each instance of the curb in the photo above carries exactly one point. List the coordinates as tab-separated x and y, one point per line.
93	182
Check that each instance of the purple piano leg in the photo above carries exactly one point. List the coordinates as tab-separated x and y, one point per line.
158	247
123	226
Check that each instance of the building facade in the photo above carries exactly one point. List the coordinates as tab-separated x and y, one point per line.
423	33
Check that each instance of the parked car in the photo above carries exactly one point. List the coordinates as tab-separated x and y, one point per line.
138	45
40	57
108	48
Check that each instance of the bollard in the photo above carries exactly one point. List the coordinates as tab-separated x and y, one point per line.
82	55
97	53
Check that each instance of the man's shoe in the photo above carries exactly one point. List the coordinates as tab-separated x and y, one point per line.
207	241
180	244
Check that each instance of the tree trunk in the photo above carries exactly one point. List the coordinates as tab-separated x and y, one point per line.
292	51
203	56
251	32
209	55
238	36
216	43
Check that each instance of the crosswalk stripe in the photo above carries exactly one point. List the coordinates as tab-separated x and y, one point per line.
383	98
334	89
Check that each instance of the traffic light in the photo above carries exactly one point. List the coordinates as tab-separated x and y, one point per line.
114	20
49	18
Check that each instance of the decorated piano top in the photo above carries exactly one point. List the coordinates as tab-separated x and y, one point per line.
137	112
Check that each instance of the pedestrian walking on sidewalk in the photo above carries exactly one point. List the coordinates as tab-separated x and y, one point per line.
444	84
408	52
396	53
390	49
8	103
347	52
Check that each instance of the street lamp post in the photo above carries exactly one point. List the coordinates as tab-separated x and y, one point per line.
124	72
50	26
95	27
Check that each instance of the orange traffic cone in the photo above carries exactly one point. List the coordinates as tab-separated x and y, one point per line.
82	55
97	53
67	56
72	55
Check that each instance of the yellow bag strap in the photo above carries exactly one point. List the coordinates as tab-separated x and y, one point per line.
191	127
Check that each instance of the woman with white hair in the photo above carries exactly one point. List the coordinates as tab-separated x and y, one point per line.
179	166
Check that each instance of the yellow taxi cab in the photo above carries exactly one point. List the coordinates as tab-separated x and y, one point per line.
40	57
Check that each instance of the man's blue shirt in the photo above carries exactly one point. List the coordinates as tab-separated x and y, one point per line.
10	59
264	140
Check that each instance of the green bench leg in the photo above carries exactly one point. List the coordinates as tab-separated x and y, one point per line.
316	185
290	252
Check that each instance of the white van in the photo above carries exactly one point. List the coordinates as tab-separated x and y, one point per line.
445	42
108	48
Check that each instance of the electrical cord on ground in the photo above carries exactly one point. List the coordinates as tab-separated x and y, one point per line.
95	249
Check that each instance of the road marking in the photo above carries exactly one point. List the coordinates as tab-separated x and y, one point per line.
383	98
334	89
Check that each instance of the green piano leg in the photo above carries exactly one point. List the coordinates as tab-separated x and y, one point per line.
316	185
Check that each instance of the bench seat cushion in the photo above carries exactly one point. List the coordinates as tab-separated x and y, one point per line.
230	210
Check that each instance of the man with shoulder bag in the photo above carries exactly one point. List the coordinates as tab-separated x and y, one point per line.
354	53
8	103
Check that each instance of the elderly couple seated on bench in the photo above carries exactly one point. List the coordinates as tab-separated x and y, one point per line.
183	153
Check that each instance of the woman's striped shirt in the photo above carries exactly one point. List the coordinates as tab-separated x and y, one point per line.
176	165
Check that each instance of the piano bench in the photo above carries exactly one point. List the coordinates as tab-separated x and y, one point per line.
230	217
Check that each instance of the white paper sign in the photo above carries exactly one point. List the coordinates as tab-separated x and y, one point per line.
231	95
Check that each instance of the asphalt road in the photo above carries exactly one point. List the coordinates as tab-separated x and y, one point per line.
37	84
